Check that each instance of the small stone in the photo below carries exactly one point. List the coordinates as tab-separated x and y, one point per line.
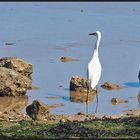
80	113
86	119
106	116
62	120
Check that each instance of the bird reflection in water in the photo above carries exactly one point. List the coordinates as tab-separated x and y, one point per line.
16	104
138	97
139	76
83	97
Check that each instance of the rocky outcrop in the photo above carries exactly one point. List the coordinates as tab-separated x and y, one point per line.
40	111
13	83
110	86
17	64
78	83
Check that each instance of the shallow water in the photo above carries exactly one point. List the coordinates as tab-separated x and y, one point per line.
43	32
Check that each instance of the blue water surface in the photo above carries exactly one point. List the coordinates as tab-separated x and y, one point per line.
43	32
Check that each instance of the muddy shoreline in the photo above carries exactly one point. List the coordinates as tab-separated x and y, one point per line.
54	118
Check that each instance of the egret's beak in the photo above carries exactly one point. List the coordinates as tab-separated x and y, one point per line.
92	34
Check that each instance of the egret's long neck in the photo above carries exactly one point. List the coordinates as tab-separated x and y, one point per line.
97	46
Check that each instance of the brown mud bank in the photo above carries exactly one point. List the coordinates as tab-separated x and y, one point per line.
79	117
39	111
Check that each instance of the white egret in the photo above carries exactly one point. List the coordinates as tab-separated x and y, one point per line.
94	66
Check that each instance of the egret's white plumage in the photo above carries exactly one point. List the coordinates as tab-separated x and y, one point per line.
94	66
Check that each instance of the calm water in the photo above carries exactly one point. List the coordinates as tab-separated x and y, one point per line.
45	31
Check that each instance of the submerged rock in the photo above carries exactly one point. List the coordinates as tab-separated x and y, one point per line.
17	64
116	101
110	86
40	111
13	83
68	59
78	83
9	43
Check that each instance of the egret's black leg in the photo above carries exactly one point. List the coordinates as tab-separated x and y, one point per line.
88	91
96	99
97	93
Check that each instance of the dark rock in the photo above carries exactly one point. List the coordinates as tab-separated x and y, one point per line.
80	113
37	110
40	111
17	64
13	83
